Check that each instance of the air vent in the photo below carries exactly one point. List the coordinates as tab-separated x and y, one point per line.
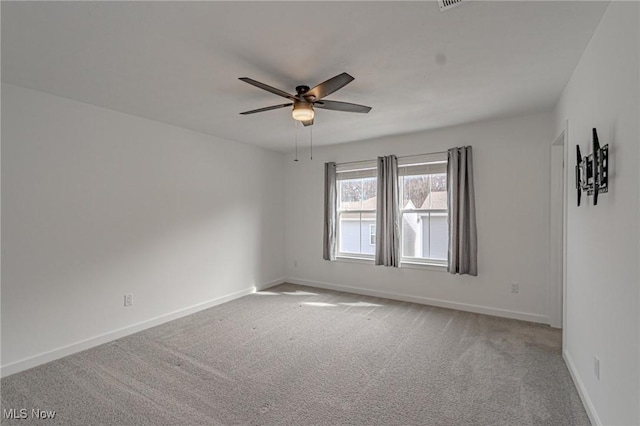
448	4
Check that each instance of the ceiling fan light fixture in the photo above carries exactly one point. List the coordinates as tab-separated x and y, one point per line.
302	111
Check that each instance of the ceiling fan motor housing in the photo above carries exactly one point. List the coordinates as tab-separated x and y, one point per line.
301	90
302	93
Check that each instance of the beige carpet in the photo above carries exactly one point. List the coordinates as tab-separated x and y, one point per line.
301	356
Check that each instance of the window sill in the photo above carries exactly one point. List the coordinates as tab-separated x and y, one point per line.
403	264
354	259
424	266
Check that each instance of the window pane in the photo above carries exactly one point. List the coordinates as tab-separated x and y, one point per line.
355	233
350	194
438	236
369	190
350	233
439	182
411	235
368	223
424	192
357	194
414	191
437	197
357	217
425	233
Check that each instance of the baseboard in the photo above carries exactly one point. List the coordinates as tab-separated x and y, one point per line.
34	361
478	309
582	391
270	284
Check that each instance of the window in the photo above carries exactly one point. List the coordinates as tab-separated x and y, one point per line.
357	187
423	210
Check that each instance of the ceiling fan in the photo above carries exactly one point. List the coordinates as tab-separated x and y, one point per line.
305	99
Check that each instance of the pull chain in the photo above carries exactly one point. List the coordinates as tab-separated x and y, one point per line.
311	150
295	125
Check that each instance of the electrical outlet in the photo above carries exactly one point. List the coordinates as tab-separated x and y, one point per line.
596	367
515	288
128	300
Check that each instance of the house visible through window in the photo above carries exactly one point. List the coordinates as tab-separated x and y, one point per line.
423	193
357	186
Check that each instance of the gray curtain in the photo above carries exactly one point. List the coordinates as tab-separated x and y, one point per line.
463	240
330	212
388	213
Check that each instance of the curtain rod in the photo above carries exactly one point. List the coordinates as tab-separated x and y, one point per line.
404	156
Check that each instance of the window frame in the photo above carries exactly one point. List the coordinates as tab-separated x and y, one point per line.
351	171
413	161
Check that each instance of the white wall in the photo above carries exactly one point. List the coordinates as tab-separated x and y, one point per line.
96	204
511	169
603	280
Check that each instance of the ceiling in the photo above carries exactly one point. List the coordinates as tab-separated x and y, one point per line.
179	62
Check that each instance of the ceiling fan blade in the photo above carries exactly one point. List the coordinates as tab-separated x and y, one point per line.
308	123
253	111
267	88
341	106
328	87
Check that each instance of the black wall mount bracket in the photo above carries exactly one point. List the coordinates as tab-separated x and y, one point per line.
592	171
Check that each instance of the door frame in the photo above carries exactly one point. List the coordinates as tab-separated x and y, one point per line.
559	166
